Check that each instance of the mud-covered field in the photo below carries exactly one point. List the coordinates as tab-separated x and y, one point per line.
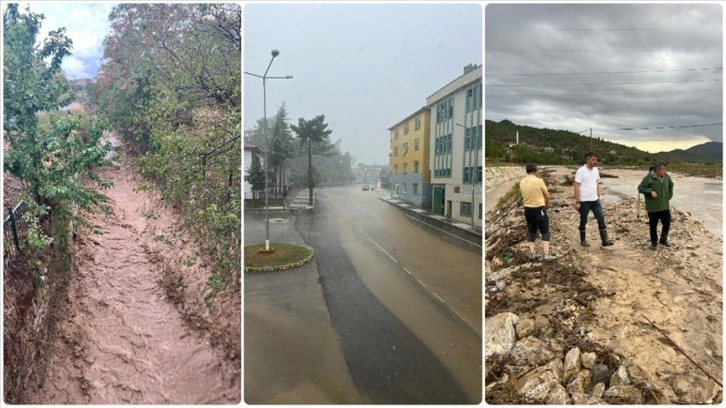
637	316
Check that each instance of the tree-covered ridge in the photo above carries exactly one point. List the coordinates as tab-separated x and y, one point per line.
550	146
173	95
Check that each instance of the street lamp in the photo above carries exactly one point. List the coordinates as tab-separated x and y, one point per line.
264	77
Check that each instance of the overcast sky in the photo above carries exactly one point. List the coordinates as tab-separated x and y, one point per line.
364	66
608	67
86	24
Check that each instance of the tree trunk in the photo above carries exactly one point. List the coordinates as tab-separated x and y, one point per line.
310	172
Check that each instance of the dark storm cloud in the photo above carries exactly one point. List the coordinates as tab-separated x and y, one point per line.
607	67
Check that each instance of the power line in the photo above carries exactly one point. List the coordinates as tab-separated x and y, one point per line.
613	93
579	29
671	127
524	50
595	84
603	72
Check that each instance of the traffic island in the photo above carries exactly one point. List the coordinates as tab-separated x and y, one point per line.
280	257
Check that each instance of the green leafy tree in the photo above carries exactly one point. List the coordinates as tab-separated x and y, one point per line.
50	157
256	176
314	131
175	96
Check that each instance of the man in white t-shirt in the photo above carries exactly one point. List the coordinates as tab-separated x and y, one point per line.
587	198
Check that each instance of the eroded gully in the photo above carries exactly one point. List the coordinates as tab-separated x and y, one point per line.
119	339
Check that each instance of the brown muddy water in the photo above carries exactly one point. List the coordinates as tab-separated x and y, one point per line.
120	339
702	197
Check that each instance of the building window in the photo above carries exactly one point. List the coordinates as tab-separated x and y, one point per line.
416	143
468	176
405	129
405	168
395	169
418	122
405	191
415	192
473	98
396	134
445	111
395	151
479	210
465	209
415	166
405	149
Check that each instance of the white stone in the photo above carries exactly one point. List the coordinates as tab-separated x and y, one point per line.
588	359
619	377
500	333
572	364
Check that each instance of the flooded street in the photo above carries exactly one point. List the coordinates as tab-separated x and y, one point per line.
121	340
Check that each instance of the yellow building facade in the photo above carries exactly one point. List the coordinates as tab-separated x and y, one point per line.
409	175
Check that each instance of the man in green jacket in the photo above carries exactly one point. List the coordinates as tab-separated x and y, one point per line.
657	187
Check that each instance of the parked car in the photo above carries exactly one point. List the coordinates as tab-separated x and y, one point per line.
366	188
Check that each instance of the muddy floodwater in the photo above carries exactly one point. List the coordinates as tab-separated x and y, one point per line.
702	197
121	340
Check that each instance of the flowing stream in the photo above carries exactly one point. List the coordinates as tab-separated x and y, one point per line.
121	340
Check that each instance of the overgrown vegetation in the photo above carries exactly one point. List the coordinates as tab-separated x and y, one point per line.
174	97
50	152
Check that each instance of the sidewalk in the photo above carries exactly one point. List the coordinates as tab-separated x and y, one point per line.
466	232
291	349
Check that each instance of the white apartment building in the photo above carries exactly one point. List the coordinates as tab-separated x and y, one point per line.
251	150
456	148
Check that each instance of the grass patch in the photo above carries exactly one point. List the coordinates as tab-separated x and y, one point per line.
512	195
283	254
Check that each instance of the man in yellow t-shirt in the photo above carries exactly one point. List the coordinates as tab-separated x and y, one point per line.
536	199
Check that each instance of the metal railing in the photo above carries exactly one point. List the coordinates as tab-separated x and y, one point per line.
15	230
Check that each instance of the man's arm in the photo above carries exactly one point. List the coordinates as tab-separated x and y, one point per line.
577	192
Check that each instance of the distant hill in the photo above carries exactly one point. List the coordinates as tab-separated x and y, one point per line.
550	146
706	152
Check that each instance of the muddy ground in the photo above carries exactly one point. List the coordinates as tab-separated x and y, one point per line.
137	325
648	310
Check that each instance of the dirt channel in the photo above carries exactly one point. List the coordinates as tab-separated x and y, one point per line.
603	299
121	339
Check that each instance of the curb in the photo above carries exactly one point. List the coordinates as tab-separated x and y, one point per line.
253	269
466	235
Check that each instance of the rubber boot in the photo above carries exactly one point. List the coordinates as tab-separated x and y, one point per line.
583	241
604	238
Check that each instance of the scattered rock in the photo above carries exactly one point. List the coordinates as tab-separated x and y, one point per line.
620	377
537	384
623	394
558	396
588	359
500	334
600	374
525	327
572	364
598	390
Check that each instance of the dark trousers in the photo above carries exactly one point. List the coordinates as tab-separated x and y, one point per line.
537	220
665	219
594	206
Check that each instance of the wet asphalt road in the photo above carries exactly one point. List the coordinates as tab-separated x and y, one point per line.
405	301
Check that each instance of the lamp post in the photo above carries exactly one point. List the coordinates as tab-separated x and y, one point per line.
264	77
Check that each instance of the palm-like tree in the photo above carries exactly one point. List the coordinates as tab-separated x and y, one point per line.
311	131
